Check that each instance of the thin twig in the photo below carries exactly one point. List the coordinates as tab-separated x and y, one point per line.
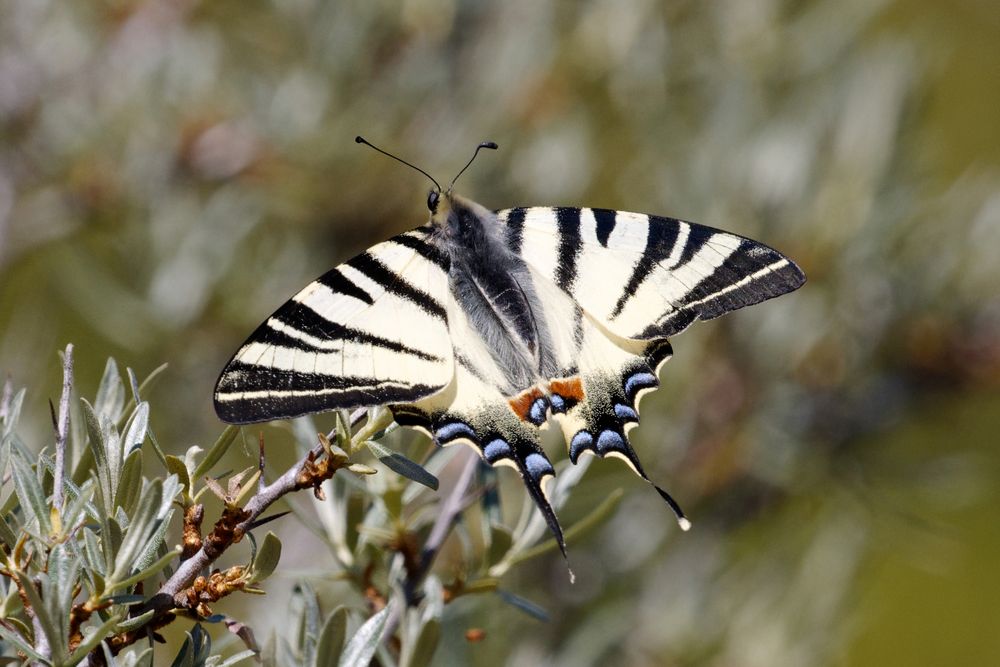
62	428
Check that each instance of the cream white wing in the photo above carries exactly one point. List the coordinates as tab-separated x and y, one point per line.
646	277
372	331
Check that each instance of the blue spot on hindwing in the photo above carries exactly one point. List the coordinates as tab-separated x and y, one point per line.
637	381
538	466
557	403
580	443
497	449
536	413
610	441
625	413
454	430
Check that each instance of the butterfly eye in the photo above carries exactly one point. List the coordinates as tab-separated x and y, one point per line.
432	200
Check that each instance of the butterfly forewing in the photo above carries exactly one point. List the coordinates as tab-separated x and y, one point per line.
371	331
646	277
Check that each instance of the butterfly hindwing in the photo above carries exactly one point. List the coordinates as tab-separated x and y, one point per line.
339	342
646	277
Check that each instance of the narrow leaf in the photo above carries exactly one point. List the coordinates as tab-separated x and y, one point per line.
267	558
331	637
130	624
130	483
136	433
527	606
424	647
175	465
239	657
403	466
216	451
361	648
29	491
110	398
164	560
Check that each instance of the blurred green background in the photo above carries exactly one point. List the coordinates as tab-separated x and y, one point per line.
172	170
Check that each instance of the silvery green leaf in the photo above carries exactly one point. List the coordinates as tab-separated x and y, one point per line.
402	465
331	638
63	572
94	553
133	384
127	599
79	503
30	493
130	483
196	649
175	465
304	598
13	413
149	571
110	398
153	544
143	524
216	452
421	651
98	450
361	647
266	559
527	606
7	537
171	490
113	451
129	624
136	432
239	657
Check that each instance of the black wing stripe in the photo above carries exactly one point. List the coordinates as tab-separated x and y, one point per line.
515	229
285	405
242	377
605	224
304	319
570	244
660	240
395	284
426	250
697	237
341	284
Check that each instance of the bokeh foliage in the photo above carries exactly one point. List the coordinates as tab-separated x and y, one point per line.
170	171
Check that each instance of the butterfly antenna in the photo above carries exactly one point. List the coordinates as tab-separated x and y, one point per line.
492	145
361	140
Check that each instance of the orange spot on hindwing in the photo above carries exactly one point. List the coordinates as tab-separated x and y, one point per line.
566	392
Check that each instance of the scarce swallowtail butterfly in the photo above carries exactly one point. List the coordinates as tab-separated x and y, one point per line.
479	326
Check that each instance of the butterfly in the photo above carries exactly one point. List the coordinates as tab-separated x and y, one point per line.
481	326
